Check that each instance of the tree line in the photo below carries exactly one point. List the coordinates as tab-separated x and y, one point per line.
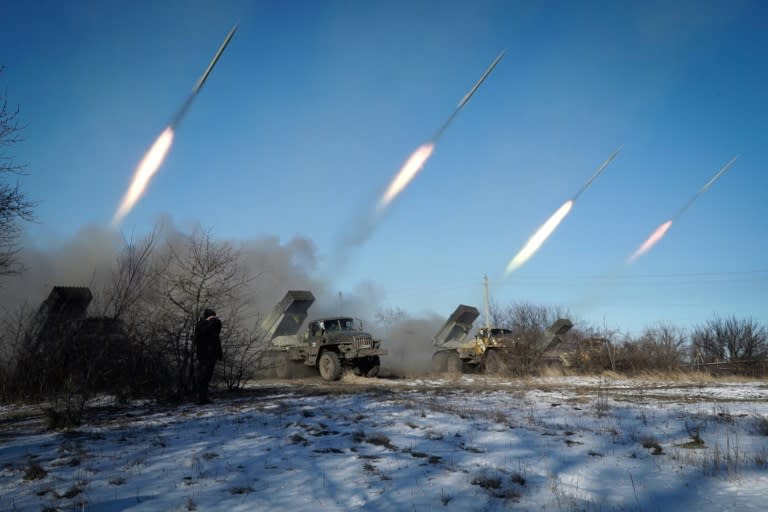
720	345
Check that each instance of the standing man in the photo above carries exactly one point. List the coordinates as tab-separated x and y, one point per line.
208	346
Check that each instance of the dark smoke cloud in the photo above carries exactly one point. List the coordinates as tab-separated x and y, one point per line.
83	260
276	266
409	342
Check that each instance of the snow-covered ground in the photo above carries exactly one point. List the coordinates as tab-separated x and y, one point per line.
475	443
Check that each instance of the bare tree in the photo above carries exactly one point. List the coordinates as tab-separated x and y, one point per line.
201	273
660	348
14	331
14	206
730	340
123	309
244	350
526	319
528	323
131	278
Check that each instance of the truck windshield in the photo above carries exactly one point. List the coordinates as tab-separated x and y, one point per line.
339	324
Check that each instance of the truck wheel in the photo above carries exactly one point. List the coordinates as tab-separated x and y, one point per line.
329	366
373	366
453	363
493	363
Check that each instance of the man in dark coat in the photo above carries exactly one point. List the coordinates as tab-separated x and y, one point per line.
208	347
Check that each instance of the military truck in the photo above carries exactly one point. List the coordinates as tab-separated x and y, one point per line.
328	344
492	350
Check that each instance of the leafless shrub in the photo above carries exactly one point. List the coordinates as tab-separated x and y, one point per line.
528	323
694	429
66	416
659	349
445	498
602	406
368	467
379	439
729	459
761	458
651	443
500	485
488	481
741	342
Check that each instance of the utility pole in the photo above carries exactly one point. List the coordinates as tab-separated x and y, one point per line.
486	302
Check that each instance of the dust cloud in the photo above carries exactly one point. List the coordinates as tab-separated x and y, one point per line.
274	266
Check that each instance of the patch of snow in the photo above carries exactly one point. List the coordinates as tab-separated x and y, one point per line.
471	443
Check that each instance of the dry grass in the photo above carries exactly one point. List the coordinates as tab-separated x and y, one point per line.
652	444
374	438
728	459
761	458
761	424
552	371
499	484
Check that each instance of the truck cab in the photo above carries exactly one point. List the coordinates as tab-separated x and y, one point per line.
329	344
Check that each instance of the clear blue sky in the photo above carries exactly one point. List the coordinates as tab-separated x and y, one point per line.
315	105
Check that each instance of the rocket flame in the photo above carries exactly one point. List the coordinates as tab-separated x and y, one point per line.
144	172
539	237
407	172
655	237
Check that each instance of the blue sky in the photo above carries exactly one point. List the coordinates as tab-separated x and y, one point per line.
315	105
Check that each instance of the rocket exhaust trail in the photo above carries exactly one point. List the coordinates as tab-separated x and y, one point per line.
154	158
419	157
365	225
538	238
467	96
544	231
